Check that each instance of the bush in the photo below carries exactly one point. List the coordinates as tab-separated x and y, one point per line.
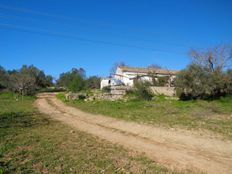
197	82
229	80
142	91
106	89
61	96
81	97
161	81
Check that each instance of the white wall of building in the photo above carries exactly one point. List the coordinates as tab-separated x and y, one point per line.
128	77
110	82
105	82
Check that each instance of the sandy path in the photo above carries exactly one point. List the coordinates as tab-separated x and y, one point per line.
177	149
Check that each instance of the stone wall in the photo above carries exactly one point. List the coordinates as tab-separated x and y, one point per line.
168	91
117	92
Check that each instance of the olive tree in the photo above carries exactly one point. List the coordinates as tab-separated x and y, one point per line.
215	59
73	80
23	83
207	76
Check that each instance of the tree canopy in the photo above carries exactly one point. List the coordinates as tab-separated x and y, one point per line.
208	76
26	81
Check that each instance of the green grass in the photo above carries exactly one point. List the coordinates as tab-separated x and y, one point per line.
214	115
32	143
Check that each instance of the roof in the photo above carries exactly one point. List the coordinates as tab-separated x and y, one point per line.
149	70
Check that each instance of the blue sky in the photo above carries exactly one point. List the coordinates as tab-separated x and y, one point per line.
56	35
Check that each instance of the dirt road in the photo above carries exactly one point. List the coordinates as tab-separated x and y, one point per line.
176	149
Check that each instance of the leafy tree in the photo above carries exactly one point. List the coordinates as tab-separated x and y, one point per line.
229	81
192	83
23	83
4	78
207	76
93	82
73	80
77	83
39	75
49	80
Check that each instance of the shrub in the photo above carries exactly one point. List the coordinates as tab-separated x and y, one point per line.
197	82
161	81
76	84
81	97
207	77
106	89
61	96
142	91
229	80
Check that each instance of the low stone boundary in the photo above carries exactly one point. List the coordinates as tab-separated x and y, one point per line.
168	91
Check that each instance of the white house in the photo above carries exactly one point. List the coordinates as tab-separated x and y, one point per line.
110	82
126	75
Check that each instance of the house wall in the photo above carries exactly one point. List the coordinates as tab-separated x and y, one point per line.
128	77
110	82
104	83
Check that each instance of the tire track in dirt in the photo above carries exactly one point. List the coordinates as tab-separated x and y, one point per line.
177	149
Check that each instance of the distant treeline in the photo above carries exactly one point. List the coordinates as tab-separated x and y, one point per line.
29	79
208	76
25	81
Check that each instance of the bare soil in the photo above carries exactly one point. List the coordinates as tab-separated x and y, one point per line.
174	148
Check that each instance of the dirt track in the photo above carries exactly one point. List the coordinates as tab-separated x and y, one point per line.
176	149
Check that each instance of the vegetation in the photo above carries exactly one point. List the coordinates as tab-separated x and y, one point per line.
75	80
213	115
160	81
141	90
93	82
27	147
29	79
208	76
25	81
106	89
